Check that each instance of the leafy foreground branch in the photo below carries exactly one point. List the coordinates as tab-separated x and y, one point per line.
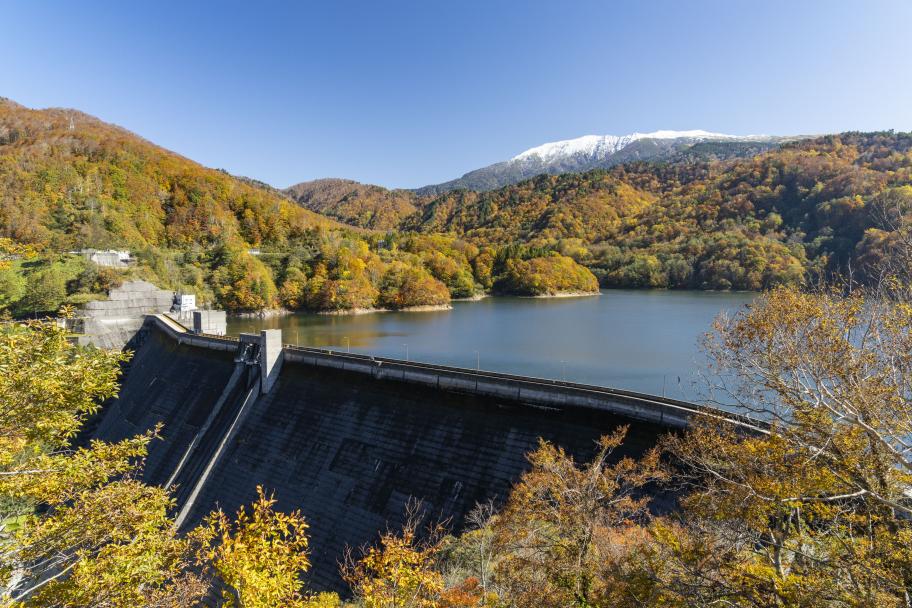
80	529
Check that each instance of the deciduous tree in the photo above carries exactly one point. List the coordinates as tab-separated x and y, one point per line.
261	555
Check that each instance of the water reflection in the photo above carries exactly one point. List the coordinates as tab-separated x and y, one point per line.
640	340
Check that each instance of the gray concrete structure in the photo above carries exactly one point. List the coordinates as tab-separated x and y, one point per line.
111	258
113	322
349	439
213	322
271	356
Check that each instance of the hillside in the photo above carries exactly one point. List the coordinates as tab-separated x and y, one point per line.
814	206
357	204
70	181
701	219
705	217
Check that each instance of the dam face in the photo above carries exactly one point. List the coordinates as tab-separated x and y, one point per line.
347	447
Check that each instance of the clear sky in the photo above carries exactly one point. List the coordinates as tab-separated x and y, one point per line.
409	93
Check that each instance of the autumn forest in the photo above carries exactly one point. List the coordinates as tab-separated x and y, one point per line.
808	210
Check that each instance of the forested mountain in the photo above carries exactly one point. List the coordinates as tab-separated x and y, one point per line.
70	181
357	204
699	219
810	207
601	151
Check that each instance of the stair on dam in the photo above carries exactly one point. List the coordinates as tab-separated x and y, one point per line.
207	447
170	384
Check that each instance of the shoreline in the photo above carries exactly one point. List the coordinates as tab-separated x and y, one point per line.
369	311
565	294
281	312
475	298
268	313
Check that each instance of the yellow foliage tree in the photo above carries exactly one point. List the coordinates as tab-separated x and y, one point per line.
100	538
80	530
812	510
396	574
401	571
561	522
261	556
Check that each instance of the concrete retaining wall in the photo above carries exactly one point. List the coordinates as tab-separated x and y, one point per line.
113	322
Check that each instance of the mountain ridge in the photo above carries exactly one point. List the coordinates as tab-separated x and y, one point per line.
711	214
70	181
605	145
599	152
702	220
358	204
371	206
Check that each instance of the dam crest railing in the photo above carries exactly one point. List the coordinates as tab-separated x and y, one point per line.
541	392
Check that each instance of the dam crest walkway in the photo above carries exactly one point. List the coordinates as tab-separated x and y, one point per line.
544	392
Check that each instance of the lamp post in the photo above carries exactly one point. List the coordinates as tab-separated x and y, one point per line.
563	371
477	360
406	352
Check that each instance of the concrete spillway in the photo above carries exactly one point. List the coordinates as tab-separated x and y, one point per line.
350	439
168	384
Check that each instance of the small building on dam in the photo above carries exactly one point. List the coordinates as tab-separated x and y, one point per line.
349	439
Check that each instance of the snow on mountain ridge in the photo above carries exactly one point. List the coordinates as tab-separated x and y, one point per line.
601	146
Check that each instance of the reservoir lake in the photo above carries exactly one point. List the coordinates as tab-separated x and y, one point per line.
642	340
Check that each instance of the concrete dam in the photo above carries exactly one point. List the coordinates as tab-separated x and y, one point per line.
348	438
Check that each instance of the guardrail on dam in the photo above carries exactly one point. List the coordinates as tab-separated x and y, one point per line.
348	438
672	413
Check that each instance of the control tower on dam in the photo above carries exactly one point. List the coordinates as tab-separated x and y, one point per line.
350	439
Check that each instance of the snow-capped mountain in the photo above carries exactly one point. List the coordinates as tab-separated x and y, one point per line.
602	146
599	151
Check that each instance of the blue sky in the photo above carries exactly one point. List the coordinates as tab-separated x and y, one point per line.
409	93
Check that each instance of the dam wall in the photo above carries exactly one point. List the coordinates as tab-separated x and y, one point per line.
664	411
168	384
350	439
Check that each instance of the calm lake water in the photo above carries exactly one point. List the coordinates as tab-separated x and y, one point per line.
633	339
